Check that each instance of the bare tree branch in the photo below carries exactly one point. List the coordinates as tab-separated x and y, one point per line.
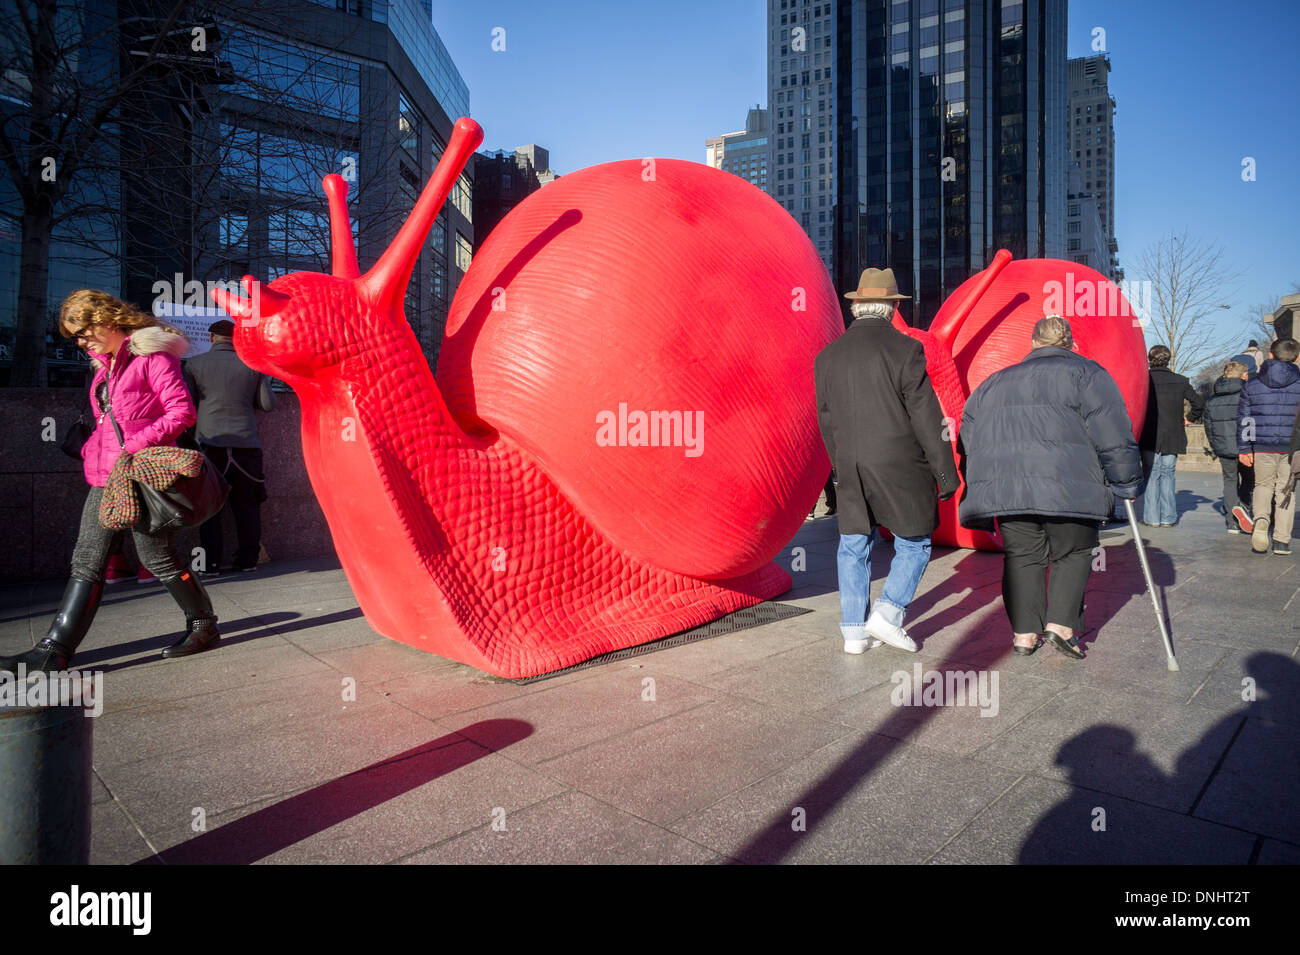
1189	284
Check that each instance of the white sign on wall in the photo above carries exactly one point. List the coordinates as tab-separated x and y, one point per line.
193	320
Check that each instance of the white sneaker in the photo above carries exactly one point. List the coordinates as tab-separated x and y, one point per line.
1259	537
856	641
887	632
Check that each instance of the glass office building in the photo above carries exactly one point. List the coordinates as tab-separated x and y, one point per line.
801	115
951	139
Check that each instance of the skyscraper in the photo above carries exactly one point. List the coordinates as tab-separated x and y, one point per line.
801	104
1092	144
1086	241
502	180
744	153
951	138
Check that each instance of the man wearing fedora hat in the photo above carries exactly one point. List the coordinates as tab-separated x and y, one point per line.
884	431
226	392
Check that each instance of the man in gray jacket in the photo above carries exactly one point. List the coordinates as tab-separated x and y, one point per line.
226	392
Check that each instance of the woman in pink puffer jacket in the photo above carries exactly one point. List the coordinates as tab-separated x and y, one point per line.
138	376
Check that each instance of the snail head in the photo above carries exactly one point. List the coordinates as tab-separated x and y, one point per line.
305	324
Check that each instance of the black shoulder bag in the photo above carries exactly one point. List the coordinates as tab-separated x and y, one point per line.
186	502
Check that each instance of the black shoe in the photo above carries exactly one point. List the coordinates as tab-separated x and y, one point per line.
201	631
1280	548
70	625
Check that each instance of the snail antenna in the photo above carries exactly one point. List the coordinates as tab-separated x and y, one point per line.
343	254
385	283
946	330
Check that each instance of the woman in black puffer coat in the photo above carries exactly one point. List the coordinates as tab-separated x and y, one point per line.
1046	446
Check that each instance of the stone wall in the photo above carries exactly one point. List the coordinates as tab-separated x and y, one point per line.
1199	457
42	490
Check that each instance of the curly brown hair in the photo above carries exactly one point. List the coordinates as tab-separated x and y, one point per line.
86	307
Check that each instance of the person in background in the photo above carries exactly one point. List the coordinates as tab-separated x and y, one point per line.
884	432
1164	436
227	393
1252	357
1266	412
1221	431
138	378
1046	447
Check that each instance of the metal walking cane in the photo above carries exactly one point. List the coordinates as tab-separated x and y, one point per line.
1171	662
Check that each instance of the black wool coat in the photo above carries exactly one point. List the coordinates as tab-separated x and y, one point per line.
884	430
1163	431
1048	436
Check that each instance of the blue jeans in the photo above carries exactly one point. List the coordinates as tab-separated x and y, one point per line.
911	554
1158	505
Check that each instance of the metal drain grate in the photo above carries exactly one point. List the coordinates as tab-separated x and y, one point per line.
754	616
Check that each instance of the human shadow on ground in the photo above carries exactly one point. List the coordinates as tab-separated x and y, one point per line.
1258	778
276	827
986	645
255	627
46	594
778	839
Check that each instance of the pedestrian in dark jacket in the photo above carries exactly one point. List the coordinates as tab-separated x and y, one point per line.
1164	436
227	393
1221	431
1266	413
1046	447
884	431
138	384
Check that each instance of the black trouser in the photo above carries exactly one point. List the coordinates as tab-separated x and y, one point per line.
90	555
830	491
243	469
1238	486
1031	545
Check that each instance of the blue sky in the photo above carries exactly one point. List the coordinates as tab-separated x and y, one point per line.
1198	85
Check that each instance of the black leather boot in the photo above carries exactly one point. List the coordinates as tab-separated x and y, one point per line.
200	622
70	625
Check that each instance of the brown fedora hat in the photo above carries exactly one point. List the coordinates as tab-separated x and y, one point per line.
876	285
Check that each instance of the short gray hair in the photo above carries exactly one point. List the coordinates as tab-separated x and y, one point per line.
1053	330
883	310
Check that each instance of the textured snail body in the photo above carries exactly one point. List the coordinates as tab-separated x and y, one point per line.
468	535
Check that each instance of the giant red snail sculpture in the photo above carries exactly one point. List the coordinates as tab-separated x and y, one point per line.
622	432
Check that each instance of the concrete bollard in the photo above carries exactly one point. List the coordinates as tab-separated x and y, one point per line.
45	780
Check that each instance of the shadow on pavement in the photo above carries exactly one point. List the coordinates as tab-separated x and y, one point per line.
269	830
1260	775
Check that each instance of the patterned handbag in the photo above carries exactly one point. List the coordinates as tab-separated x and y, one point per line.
186	501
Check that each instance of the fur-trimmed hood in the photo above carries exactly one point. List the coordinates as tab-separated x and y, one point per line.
153	339
146	341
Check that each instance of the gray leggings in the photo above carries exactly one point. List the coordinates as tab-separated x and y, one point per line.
90	556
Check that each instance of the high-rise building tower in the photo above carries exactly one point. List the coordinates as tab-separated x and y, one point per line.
950	138
801	40
744	153
1092	144
502	180
1085	238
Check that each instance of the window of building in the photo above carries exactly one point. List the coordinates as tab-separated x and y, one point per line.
234	231
1075	245
1073	226
461	199
408	125
464	252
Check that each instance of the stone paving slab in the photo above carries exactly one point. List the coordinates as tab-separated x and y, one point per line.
1075	826
307	737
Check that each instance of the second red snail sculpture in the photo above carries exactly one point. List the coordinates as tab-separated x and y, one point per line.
622	432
